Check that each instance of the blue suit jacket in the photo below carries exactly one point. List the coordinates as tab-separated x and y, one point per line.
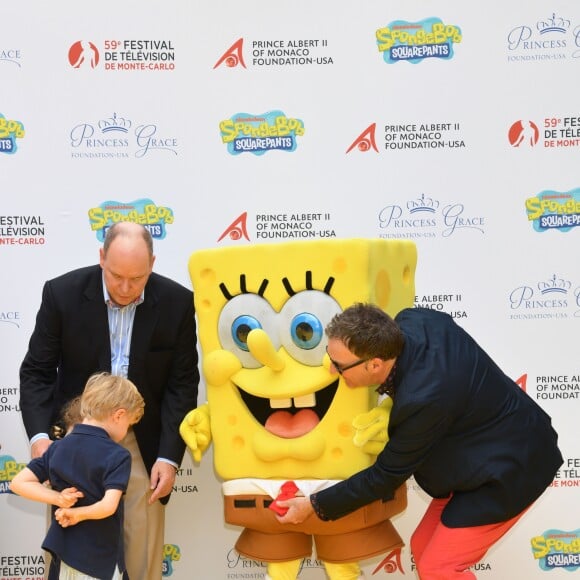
460	426
71	341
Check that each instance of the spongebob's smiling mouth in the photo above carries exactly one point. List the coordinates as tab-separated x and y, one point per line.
290	418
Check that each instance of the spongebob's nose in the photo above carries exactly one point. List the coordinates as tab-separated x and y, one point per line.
263	350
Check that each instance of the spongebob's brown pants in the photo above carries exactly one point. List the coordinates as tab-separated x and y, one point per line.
357	536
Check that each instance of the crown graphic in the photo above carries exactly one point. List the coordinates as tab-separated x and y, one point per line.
422	204
553	24
114	123
555	284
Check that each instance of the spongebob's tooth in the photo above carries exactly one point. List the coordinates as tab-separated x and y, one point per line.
280	403
305	401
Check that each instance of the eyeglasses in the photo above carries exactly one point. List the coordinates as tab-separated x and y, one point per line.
341	368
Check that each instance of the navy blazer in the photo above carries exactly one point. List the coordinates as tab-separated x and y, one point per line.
460	426
71	341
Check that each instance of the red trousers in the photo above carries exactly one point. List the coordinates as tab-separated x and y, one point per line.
443	553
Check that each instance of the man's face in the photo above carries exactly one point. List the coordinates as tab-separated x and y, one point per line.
126	268
354	370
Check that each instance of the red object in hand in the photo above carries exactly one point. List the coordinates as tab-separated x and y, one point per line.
287	491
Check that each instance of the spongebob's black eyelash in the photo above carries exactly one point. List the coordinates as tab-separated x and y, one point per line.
309	285
243	289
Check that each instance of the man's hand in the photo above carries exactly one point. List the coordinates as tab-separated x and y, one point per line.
38	448
196	432
162	480
299	509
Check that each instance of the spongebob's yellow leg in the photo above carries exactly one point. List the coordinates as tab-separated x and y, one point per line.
349	571
284	570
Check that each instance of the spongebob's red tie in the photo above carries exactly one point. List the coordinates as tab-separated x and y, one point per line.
287	491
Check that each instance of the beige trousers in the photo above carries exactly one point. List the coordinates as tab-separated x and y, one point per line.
144	524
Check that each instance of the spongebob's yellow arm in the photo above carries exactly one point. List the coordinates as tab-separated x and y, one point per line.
195	430
371	428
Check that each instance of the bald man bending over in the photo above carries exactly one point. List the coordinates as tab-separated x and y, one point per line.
121	317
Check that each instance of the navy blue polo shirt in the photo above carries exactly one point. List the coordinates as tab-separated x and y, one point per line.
91	461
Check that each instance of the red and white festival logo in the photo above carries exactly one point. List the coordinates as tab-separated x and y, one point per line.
83	54
523	133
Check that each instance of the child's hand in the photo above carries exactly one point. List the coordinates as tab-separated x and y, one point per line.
67	517
68	497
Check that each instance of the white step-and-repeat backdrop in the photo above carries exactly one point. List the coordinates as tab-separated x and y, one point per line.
232	123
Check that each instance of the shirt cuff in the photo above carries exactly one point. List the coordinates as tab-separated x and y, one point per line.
168	461
317	509
38	437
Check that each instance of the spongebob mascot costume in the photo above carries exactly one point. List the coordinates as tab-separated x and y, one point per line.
281	422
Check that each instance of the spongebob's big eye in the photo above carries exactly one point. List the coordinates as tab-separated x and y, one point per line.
306	330
241	315
302	322
241	327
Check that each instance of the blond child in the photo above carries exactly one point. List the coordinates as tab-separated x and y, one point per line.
89	470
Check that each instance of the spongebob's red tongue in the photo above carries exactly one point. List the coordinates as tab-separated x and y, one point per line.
287	425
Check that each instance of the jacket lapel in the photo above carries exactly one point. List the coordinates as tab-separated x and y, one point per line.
94	309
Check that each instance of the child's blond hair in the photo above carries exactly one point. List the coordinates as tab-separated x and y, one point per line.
105	393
